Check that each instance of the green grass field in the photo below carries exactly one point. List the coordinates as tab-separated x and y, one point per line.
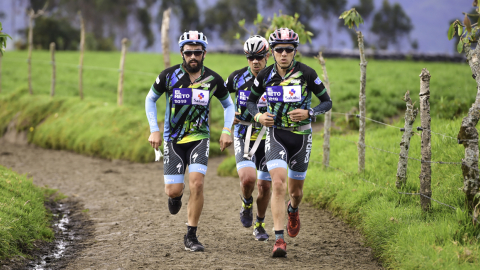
23	217
452	88
402	236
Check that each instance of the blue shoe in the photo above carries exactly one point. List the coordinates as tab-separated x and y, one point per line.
259	232
246	214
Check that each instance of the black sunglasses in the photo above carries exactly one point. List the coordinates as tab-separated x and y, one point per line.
255	57
284	49
189	53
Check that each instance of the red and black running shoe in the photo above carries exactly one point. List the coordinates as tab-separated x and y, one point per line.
293	225
280	248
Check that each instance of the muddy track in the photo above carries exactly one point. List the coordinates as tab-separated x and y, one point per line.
134	230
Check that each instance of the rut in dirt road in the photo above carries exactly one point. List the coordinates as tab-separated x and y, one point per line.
133	228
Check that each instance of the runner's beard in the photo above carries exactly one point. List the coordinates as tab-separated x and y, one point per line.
191	69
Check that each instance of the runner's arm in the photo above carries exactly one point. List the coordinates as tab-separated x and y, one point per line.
151	110
318	88
157	89
257	91
228	112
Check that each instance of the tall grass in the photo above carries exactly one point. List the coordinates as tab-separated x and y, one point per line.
23	217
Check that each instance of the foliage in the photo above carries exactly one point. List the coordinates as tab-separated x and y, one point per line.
225	14
3	40
352	18
187	12
467	32
280	21
290	22
102	18
23	217
49	29
391	24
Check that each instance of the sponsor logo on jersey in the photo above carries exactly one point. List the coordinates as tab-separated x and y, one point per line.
194	157
168	180
318	81
200	97
296	81
206	85
282	153
293	162
179	166
256	82
157	80
308	148
292	93
263	101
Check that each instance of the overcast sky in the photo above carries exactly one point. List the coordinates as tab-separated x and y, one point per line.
429	17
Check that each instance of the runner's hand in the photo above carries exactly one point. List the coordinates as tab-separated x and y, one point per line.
236	120
225	141
298	115
155	139
266	119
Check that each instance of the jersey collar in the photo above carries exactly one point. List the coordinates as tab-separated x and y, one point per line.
294	63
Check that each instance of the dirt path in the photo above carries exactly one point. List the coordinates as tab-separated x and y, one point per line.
134	230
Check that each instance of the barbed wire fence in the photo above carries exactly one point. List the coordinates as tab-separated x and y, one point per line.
399	155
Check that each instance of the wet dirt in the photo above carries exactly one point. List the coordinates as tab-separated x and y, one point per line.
132	228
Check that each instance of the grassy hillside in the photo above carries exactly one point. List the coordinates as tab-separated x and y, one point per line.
23	217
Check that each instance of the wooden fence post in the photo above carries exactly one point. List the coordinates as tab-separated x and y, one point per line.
361	104
31	16
410	116
426	172
165	37
328	115
468	136
52	53
82	48
121	70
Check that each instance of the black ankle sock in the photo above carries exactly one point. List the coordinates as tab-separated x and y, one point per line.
291	209
179	198
261	220
192	231
248	201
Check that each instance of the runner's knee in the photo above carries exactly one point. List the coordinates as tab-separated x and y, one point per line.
174	190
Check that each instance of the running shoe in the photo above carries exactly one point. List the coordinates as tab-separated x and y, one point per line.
192	243
293	225
246	214
259	232
280	248
174	206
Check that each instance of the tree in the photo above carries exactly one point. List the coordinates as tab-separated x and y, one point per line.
468	134
225	14
60	31
3	40
365	8
390	24
187	12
